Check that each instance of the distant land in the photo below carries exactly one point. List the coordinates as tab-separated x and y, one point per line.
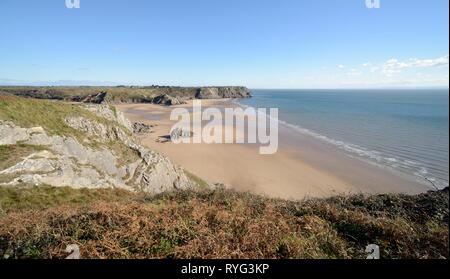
164	95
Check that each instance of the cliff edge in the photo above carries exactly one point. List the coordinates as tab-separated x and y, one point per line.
80	146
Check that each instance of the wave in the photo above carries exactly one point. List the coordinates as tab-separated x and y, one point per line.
405	165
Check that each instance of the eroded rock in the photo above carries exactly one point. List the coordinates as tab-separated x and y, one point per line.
142	128
167	100
67	162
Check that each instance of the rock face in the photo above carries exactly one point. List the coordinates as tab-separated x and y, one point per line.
69	161
179	132
142	128
95	98
167	100
222	92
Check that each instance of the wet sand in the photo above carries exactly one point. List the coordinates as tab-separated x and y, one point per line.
302	167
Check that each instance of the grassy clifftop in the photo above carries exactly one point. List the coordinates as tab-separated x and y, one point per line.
78	145
39	222
128	94
50	115
78	93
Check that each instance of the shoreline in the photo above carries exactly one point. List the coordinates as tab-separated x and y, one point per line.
303	167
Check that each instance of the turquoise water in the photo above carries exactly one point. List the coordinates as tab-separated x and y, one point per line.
407	130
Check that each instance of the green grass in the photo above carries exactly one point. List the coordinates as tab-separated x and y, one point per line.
202	184
30	113
12	154
25	198
51	116
114	110
125	154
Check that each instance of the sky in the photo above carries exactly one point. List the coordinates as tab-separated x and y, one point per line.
253	43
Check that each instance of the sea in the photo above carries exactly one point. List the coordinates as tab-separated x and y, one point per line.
407	130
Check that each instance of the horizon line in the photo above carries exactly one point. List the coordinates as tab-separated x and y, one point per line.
251	88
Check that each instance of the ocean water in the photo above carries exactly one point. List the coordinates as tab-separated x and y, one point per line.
407	130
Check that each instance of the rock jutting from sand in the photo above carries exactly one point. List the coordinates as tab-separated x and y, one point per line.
262	126
179	132
167	100
175	134
142	128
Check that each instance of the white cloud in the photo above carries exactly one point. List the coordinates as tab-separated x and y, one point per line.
441	61
374	69
354	72
411	72
394	66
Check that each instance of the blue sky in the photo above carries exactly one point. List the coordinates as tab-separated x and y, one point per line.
256	43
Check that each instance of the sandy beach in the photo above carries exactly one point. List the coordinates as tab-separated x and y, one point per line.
302	167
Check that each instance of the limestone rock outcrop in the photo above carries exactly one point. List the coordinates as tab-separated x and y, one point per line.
104	155
167	100
222	92
142	128
97	98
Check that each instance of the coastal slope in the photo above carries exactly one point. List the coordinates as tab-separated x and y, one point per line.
81	146
40	222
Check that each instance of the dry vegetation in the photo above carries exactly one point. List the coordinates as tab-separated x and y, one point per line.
13	154
39	222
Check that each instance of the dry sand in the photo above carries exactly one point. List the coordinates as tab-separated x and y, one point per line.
302	167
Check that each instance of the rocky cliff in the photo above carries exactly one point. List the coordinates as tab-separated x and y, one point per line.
222	92
131	94
93	147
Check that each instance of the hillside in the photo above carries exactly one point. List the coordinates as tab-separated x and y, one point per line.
39	222
60	144
164	95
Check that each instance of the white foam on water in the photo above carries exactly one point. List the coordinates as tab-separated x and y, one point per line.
412	167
